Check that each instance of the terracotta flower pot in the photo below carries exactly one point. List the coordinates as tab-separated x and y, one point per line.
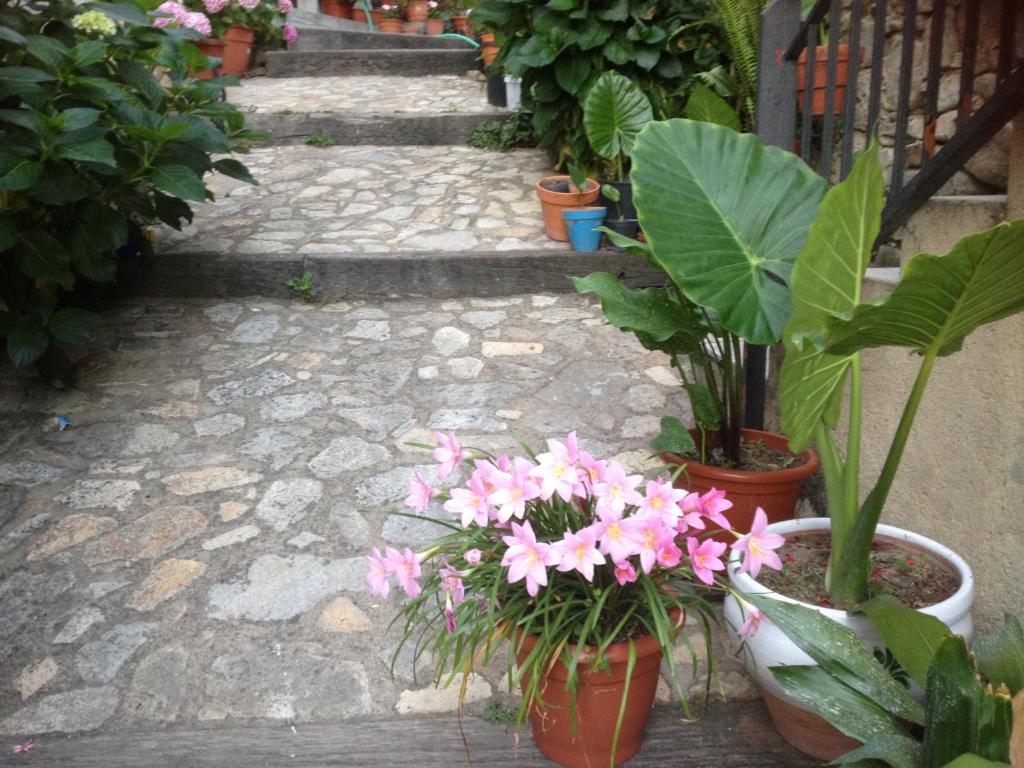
820	77
770	647
553	203
211	47
774	491
237	50
597	705
411	29
416	10
487	37
460	24
358	14
336	8
435	26
489	52
391	25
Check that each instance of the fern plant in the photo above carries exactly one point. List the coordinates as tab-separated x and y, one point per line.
741	22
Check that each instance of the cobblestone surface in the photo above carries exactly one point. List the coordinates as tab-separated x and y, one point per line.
192	549
371	200
437	94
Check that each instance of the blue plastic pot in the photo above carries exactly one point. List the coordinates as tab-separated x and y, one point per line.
582	224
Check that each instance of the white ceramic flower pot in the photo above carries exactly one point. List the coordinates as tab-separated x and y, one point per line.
769	647
513	92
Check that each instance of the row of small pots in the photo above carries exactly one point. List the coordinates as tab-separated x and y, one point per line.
234	50
433	26
416	11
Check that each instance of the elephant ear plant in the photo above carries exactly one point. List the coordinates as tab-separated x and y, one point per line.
725	218
973	711
936	305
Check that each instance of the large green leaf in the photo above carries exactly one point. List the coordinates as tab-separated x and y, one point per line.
42	257
89	151
673	438
615	112
848	710
26	341
951	704
571	71
973	761
725	217
707	106
73	326
18	174
1001	656
912	636
895	751
177	180
941	299
841	654
826	283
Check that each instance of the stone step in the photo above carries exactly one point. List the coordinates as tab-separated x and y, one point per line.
348	40
305	21
394	63
943	220
373	222
392	111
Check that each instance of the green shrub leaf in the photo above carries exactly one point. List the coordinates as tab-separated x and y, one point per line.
234	169
615	112
26	342
707	106
912	636
571	72
73	326
674	438
42	257
177	180
1001	656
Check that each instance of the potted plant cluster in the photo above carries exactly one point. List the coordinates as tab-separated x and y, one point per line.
931	311
339	9
968	711
727	264
435	18
561	193
460	10
391	20
95	149
587	572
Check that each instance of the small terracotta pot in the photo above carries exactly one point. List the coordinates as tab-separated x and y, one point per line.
821	77
553	203
211	47
460	24
237	50
410	29
336	8
487	37
417	10
391	25
489	52
358	14
775	492
597	704
435	26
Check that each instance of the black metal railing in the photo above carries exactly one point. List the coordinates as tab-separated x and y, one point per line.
785	37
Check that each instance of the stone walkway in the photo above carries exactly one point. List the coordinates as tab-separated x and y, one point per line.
372	200
192	548
438	94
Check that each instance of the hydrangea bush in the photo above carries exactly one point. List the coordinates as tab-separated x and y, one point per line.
212	18
563	546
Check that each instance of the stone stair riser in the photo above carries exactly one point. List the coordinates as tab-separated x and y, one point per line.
362	130
396	63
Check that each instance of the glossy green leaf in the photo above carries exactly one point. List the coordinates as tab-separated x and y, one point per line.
26	342
826	283
47	50
91	151
19	174
73	326
897	751
618	51
725	217
674	438
841	654
593	34
42	257
88	52
951	704
24	75
571	71
615	112
1001	656
912	636
177	180
849	711
617	11
647	56
707	106
11	36
940	300
995	724
234	169
77	118
126	12
705	407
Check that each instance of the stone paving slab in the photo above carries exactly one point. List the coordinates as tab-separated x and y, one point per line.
192	549
372	200
438	94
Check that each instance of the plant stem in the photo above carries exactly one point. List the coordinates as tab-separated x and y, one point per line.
850	578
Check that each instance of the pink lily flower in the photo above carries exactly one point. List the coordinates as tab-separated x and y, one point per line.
377	578
754	620
691	509
556	473
759	546
662	499
704	558
470	503
646	532
451	584
614	539
578	551
625	573
406	567
448	453
713	504
668	553
527	558
472	556
616	490
513	489
594	471
420	494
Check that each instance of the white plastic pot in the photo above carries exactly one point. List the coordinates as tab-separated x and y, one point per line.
513	92
769	647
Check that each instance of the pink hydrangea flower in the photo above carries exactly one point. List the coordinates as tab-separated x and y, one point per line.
470	503
759	546
448	453
377	578
249	5
754	620
291	34
705	558
420	494
578	551
528	558
285	6
406	567
625	573
472	556
175	10
214	6
198	22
